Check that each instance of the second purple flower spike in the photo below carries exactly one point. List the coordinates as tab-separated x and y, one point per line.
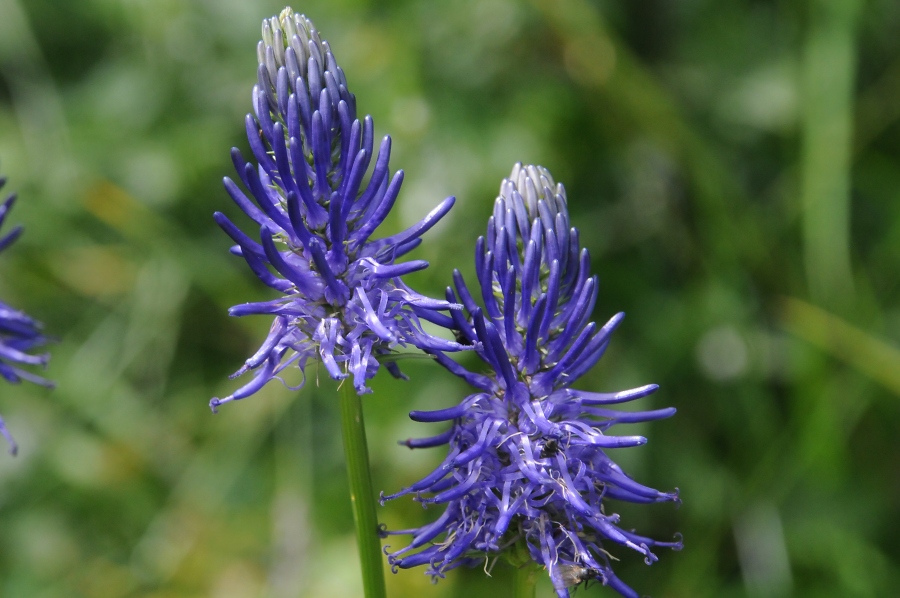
528	474
343	301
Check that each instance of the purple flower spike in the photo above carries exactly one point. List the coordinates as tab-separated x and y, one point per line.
343	301
19	333
528	469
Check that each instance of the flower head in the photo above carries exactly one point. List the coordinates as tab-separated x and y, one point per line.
343	301
528	469
19	333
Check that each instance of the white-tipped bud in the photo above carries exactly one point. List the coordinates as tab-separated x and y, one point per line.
297	31
532	183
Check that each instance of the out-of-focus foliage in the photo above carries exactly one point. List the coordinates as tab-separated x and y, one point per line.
734	169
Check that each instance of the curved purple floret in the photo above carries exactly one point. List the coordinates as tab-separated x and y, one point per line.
19	333
529	462
343	300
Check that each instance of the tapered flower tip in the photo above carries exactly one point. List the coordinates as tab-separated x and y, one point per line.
532	184
278	33
291	42
289	33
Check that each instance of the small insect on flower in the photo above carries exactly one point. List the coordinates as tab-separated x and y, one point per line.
572	575
550	448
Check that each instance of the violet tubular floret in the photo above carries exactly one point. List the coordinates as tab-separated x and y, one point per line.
343	302
529	468
19	332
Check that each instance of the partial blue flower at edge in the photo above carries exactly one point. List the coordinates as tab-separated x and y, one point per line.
19	333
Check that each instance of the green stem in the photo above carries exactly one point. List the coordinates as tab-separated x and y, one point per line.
526	580
362	497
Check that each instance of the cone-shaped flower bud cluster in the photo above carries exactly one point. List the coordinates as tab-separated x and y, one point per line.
343	301
19	333
528	468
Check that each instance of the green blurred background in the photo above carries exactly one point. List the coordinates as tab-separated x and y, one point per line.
734	168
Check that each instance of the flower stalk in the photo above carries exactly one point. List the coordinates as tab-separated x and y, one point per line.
526	581
362	496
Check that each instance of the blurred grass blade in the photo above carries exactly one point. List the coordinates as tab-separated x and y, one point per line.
600	61
38	105
828	74
867	354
